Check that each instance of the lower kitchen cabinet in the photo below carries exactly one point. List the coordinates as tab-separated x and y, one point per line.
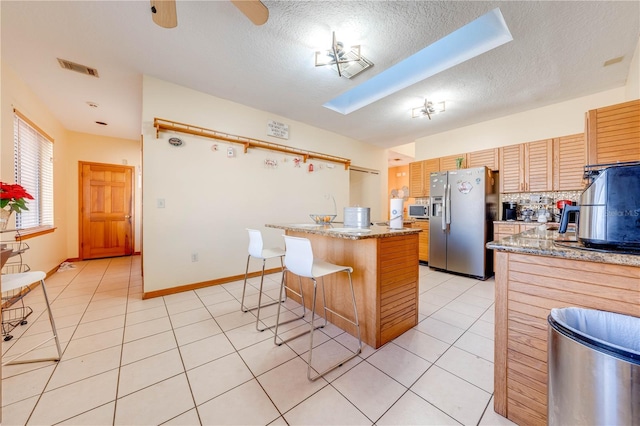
423	239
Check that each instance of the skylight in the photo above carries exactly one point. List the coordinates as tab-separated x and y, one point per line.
477	37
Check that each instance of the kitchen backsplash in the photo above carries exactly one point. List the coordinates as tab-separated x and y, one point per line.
532	201
536	202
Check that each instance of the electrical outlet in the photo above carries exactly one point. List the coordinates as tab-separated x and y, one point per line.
194	257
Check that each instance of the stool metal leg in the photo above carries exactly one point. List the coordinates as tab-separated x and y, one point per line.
244	288
55	337
354	322
283	286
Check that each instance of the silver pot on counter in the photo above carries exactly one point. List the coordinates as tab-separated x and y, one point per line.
357	217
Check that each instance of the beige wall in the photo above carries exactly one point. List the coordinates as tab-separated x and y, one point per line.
632	88
210	199
99	149
47	251
565	118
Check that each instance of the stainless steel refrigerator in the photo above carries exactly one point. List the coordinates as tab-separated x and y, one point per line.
463	206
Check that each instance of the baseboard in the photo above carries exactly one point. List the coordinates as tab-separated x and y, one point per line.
195	286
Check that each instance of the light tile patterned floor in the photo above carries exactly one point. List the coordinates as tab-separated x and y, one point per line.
194	358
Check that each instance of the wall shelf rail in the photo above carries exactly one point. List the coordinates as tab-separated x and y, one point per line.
161	124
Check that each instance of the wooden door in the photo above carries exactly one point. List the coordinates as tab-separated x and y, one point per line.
486	157
614	133
416	180
428	166
569	159
106	210
450	162
510	170
538	166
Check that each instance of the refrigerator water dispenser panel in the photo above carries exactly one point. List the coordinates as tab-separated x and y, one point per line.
436	207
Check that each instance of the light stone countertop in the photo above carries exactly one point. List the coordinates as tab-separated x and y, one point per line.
337	230
541	241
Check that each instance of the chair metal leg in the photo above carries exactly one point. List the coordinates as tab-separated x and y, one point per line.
55	337
244	288
354	322
283	286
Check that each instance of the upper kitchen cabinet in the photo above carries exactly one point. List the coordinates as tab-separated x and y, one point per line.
526	167
486	157
613	133
569	159
451	162
511	174
419	177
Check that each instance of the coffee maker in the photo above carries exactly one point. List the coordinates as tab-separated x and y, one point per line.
509	210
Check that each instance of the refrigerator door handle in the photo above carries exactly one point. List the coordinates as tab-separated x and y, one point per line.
447	202
444	210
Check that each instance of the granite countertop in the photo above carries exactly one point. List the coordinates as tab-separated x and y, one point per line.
337	230
541	241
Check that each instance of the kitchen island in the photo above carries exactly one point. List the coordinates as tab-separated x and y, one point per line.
385	276
536	271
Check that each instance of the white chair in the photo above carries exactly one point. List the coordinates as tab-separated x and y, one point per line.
257	251
299	260
13	282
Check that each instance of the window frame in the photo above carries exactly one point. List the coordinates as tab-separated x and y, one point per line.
41	145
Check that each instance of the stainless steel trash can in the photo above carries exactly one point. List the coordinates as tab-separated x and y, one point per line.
594	368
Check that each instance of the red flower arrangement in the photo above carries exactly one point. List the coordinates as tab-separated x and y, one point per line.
13	195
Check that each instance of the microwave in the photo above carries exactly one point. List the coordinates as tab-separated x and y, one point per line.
419	211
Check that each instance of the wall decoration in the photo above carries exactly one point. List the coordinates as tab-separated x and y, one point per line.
271	164
310	167
277	129
296	162
214	147
231	152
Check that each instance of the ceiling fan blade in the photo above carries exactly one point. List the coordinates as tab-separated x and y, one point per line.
164	13
253	9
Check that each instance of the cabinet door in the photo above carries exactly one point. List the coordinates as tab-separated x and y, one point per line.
487	157
510	170
614	133
569	159
423	240
429	166
416	180
450	162
538	162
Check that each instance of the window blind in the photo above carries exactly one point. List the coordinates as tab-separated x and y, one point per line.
33	168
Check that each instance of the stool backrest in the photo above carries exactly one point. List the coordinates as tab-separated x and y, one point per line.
255	243
298	256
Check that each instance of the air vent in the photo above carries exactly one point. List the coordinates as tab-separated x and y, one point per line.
83	69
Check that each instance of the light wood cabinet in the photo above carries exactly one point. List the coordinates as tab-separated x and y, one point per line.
416	180
613	133
450	162
423	239
486	157
419	177
527	288
504	229
569	159
510	168
527	167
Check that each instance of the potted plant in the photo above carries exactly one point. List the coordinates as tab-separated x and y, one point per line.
12	199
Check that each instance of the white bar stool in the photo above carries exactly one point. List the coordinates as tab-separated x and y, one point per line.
19	281
299	260
257	251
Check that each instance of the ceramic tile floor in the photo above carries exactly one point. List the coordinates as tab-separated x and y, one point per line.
193	358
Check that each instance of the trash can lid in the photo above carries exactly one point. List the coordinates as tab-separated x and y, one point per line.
608	329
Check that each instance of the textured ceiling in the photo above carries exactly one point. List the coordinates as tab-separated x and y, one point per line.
557	54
